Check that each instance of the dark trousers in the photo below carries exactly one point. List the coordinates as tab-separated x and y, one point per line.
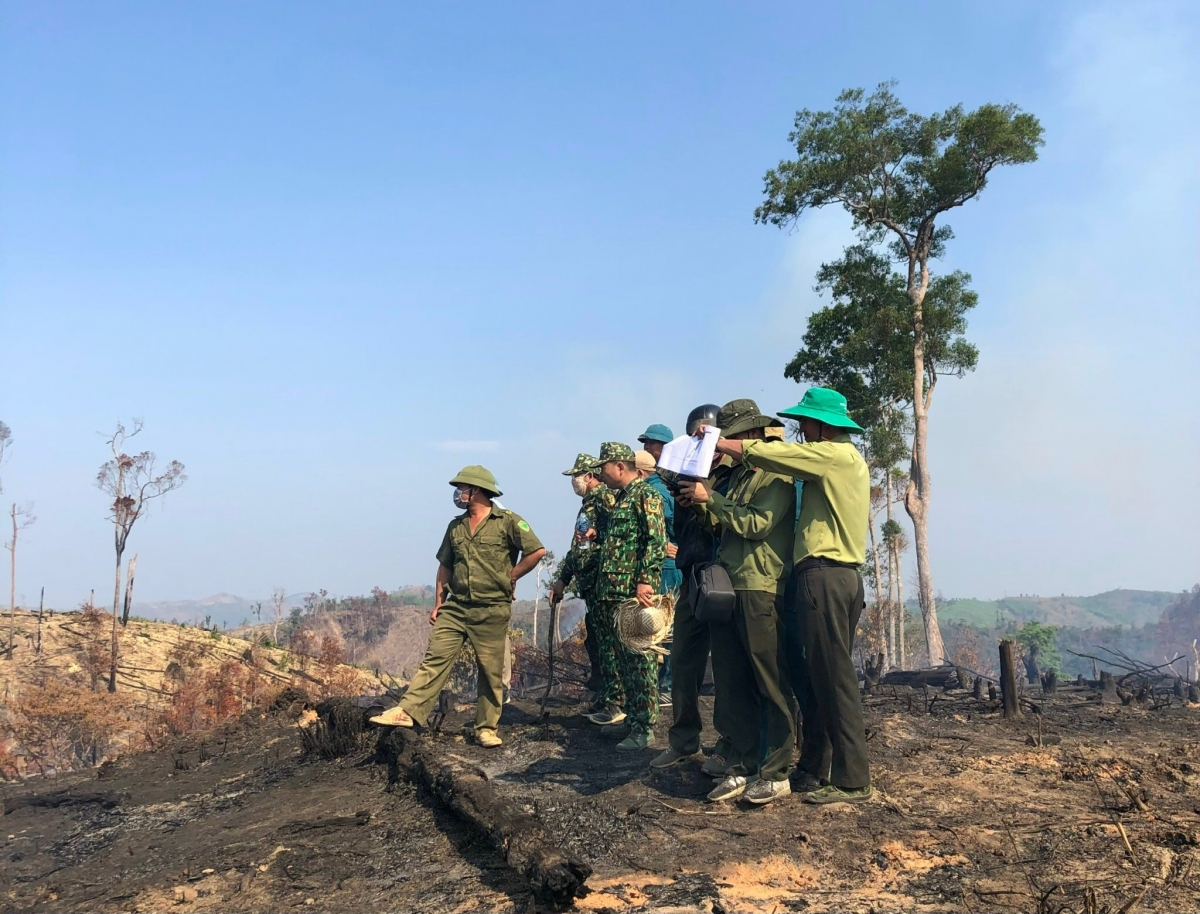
827	603
816	754
747	663
689	657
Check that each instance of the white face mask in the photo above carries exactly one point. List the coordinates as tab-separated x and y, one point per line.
579	485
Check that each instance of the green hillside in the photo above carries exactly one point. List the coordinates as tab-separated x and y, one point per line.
1129	608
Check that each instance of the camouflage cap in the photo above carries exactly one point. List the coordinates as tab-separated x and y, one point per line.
615	450
584	463
739	416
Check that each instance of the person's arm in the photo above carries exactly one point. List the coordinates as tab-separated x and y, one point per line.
439	590
773	501
648	573
808	461
525	566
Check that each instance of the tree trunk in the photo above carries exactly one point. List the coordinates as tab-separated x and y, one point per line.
41	615
12	589
880	607
112	667
129	590
917	498
901	614
1008	681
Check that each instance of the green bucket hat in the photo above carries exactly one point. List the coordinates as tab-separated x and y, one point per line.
614	450
480	477
584	463
739	416
824	405
656	432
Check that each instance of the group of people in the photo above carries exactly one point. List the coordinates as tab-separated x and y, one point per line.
786	524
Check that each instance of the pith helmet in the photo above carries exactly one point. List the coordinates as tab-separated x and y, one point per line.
739	416
584	463
656	432
825	405
480	477
615	450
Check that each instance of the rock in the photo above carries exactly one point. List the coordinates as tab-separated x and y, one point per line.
183	893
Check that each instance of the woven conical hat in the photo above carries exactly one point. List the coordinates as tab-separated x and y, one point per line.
644	628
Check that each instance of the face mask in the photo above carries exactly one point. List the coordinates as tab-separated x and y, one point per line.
462	498
579	485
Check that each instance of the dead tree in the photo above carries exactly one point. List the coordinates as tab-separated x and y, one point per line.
132	483
21	518
278	599
132	569
1008	681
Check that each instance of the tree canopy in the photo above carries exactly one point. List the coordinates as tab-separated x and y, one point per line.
893	170
862	344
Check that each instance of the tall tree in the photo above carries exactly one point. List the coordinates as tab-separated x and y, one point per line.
897	173
862	345
21	517
130	480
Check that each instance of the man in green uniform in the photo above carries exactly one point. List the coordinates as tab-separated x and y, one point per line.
831	546
477	577
580	567
755	518
631	559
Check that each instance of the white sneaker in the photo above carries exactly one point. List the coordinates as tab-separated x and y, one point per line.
729	789
763	792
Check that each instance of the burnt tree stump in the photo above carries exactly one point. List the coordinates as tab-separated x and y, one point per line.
977	691
1008	681
1108	688
991	691
1050	681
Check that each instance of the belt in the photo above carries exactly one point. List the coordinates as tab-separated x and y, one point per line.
819	562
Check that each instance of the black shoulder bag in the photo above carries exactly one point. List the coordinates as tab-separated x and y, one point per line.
714	593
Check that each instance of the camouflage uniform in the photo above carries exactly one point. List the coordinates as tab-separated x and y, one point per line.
632	553
581	567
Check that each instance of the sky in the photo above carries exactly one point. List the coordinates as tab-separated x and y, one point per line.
330	254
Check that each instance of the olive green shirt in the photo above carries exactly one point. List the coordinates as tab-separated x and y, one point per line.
756	523
481	563
835	499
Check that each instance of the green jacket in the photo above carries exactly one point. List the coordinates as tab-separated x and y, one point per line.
634	544
835	502
582	564
756	523
481	563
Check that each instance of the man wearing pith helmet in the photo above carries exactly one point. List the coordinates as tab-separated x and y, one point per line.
826	588
485	551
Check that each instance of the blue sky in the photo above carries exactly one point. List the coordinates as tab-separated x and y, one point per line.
331	254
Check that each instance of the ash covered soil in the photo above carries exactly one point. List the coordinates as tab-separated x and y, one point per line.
971	814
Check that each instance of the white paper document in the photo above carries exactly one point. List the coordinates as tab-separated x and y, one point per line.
691	456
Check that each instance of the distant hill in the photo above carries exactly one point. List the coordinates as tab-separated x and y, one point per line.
224	610
1128	608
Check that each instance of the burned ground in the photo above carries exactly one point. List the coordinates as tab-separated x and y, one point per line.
971	814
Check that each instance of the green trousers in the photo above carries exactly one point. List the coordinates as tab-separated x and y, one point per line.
689	657
486	627
608	646
829	601
637	675
747	667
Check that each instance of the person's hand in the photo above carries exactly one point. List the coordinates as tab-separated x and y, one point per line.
512	588
700	430
645	594
556	592
672	550
434	614
693	492
591	533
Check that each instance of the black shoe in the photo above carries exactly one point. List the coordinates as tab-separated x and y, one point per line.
803	782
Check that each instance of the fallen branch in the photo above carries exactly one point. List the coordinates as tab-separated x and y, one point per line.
555	877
